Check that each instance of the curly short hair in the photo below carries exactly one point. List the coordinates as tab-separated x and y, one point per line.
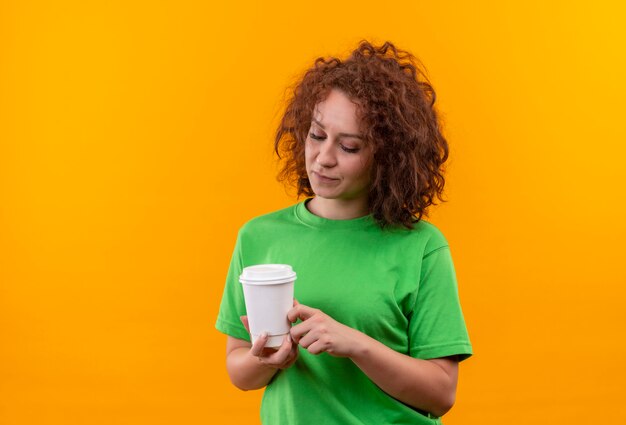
395	102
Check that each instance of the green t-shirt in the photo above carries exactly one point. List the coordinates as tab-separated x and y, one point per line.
397	286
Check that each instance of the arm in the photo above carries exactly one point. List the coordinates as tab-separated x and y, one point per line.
251	367
429	385
245	370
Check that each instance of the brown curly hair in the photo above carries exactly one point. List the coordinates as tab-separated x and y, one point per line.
395	102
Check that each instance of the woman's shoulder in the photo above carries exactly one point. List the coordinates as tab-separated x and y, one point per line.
431	234
269	221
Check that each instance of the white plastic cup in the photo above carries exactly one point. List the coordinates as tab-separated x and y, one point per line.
268	294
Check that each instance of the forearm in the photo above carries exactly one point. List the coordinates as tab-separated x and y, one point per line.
246	371
422	384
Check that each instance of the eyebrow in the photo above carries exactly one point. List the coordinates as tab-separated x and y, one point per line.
356	136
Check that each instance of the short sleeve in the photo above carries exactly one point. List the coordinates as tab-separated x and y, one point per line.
232	306
436	324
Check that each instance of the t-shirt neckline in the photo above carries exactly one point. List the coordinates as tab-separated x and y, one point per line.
307	217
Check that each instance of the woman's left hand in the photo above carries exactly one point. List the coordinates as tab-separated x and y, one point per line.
320	333
428	385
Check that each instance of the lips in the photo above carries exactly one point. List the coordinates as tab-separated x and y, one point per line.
324	178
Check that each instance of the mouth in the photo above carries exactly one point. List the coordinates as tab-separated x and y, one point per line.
322	177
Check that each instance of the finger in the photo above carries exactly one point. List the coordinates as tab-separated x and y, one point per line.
257	348
317	347
278	358
282	354
298	331
246	324
295	302
308	339
291	357
300	311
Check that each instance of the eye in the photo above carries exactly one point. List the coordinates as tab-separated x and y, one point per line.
349	150
316	137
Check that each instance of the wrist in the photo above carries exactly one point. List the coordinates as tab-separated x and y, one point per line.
360	346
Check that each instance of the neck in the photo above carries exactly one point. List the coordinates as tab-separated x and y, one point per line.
338	209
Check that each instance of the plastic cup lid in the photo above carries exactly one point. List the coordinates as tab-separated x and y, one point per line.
267	274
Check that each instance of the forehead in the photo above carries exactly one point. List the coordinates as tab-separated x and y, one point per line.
337	110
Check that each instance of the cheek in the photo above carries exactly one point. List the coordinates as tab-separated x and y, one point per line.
357	171
308	155
309	150
365	171
307	147
363	166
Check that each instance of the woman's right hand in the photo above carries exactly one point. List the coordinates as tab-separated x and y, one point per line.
280	358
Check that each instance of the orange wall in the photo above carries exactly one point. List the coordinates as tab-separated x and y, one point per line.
135	138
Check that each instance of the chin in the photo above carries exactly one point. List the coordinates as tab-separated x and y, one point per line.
324	194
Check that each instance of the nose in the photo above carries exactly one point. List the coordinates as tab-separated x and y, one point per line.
326	155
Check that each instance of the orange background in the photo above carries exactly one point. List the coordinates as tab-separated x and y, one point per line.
136	137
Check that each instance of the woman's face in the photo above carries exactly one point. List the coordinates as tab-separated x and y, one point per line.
338	163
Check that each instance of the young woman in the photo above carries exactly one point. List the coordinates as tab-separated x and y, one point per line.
378	329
